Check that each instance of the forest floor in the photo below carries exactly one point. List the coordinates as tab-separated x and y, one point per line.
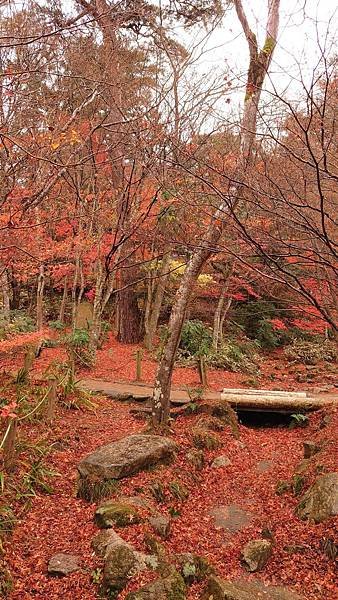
117	362
60	522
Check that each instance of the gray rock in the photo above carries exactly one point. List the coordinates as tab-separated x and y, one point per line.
256	554
219	589
161	525
106	541
221	461
126	457
171	587
320	502
62	564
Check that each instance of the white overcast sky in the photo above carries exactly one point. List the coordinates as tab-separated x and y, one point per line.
305	26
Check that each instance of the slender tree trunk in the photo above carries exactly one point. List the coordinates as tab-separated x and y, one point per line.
218	318
9	446
157	303
258	66
39	298
74	289
95	327
63	301
161	396
5	295
16	293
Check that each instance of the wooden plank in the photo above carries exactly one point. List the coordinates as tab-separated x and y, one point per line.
255	392
271	403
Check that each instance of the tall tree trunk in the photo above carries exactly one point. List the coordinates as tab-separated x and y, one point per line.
16	293
39	297
219	317
63	301
5	295
258	67
226	270
157	302
161	395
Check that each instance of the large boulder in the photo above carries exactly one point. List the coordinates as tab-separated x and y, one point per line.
256	554
219	589
320	502
171	587
126	457
116	514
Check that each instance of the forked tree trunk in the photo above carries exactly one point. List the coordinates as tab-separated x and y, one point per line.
157	302
258	67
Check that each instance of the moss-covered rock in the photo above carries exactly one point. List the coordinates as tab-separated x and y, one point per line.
222	410
178	490
193	567
121	563
171	587
205	439
116	514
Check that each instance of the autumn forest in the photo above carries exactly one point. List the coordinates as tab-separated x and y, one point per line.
168	300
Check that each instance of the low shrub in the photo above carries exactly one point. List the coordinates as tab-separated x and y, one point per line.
196	338
19	322
311	353
234	355
58	325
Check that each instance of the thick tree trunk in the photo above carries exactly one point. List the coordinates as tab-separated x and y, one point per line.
157	302
39	298
258	66
129	315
